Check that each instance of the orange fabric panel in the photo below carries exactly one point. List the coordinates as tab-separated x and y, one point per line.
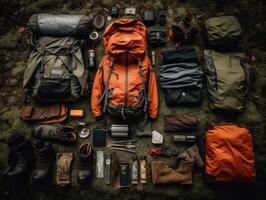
153	96
230	154
97	91
125	35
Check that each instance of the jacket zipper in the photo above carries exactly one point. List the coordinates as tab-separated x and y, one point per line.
126	84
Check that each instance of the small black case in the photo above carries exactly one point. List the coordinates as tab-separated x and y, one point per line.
148	17
161	18
114	11
98	137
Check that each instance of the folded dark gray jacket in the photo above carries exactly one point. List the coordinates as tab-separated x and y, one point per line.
180	75
182	83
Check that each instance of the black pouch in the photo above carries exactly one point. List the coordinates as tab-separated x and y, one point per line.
124	175
126	112
98	137
54	89
187	55
187	95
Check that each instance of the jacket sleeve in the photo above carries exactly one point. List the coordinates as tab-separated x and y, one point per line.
153	95
97	91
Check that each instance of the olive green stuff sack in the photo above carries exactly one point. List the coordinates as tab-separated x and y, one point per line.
223	31
227	79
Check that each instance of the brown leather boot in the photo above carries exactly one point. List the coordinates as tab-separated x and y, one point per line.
161	173
192	153
186	170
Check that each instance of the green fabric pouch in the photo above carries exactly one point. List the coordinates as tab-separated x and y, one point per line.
223	31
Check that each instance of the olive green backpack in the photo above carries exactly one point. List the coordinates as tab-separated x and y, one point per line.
56	70
227	78
223	31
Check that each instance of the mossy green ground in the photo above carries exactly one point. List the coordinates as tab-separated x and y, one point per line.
14	53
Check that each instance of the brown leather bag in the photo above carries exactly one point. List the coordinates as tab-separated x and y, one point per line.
173	123
44	114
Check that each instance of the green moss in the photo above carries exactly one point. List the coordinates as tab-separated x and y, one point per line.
40	6
154	5
10	40
108	3
18	70
12	124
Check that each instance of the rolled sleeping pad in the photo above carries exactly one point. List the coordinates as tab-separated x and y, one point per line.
60	25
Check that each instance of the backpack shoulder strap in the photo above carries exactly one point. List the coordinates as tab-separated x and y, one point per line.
144	83
106	86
